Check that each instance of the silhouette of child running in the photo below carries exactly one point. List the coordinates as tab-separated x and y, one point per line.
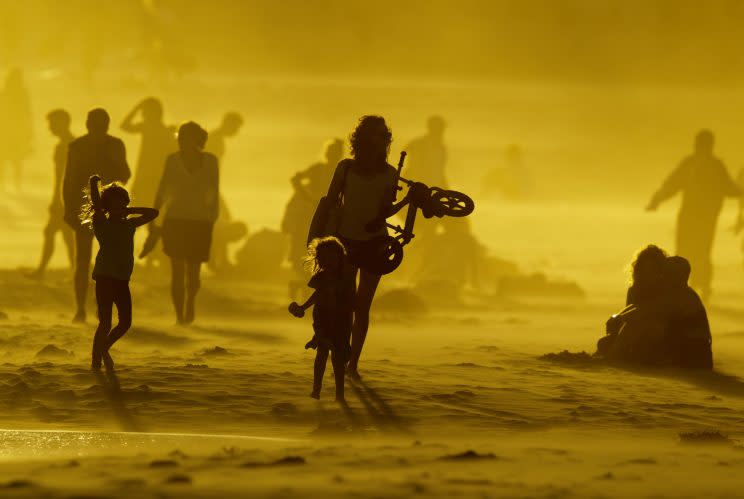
333	302
107	212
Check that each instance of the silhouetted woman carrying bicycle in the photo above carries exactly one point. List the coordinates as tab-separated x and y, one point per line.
367	185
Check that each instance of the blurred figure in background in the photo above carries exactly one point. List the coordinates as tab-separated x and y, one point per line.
453	258
309	186
99	153
426	162
511	181
59	126
158	141
231	124
16	128
189	191
226	230
704	182
427	155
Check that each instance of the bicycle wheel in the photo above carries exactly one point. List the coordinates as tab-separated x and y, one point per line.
453	203
388	257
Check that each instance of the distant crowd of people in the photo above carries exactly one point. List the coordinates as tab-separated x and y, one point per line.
177	186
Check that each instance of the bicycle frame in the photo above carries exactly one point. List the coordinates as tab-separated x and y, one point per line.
404	234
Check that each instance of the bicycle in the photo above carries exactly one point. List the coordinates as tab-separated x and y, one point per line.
432	201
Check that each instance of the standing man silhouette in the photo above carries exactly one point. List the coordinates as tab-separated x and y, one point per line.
427	162
427	155
59	126
704	182
98	153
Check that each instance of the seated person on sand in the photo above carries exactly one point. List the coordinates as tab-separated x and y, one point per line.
664	321
635	333
688	332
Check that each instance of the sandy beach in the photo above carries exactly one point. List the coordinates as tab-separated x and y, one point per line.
457	400
464	393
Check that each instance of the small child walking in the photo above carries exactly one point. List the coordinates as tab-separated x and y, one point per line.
107	211
333	302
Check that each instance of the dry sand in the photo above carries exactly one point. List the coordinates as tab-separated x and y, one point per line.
455	402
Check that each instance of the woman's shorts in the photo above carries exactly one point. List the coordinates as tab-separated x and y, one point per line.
364	254
188	240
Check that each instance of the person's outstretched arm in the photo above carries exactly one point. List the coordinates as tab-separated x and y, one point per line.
729	186
299	310
671	186
298	179
95	193
128	124
145	215
98	216
310	301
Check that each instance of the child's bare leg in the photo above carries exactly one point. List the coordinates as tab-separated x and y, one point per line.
105	301
339	372
193	283
123	301
321	358
178	276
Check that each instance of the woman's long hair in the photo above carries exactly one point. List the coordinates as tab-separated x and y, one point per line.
362	147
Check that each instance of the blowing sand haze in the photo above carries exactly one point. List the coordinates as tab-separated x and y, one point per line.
328	249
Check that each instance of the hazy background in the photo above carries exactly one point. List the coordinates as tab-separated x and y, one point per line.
603	97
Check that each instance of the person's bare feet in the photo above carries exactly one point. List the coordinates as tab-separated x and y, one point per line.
108	361
36	275
315	394
79	317
353	374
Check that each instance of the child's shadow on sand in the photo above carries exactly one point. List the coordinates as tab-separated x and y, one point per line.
379	414
109	381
